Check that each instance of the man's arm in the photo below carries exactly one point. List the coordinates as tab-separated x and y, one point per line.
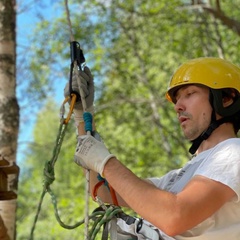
103	191
174	214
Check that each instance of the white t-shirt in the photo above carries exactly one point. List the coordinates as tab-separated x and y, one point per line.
222	164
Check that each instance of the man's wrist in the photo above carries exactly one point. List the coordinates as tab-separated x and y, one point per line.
109	165
78	114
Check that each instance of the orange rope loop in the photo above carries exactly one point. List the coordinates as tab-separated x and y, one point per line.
112	191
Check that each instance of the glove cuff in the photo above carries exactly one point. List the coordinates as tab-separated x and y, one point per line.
91	154
100	170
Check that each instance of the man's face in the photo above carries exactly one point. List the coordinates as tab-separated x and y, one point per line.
193	110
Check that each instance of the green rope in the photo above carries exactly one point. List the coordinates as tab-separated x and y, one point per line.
108	214
99	218
49	175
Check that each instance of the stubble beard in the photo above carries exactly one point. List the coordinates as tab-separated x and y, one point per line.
194	131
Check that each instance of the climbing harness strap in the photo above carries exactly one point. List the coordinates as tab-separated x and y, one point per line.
125	227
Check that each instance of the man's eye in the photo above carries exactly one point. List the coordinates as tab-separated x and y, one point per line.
190	93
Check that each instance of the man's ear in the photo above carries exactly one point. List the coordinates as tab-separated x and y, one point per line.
228	100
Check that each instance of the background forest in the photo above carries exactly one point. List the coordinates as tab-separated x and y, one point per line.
132	48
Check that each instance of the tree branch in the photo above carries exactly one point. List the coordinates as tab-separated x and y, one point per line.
227	21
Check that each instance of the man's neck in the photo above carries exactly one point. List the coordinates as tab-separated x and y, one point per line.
222	133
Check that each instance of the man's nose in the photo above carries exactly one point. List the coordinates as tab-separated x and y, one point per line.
179	105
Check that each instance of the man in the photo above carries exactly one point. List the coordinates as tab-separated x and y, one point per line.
201	200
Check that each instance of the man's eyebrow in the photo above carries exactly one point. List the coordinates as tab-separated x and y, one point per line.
182	88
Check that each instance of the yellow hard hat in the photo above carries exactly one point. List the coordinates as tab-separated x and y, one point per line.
214	73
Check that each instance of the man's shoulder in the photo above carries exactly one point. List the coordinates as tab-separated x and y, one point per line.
230	142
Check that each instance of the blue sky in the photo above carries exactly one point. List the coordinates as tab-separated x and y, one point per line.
27	17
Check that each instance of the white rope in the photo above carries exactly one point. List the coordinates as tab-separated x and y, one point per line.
87	175
69	21
76	73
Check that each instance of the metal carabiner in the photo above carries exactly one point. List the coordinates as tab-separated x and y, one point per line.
71	107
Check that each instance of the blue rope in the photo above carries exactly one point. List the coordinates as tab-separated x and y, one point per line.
87	117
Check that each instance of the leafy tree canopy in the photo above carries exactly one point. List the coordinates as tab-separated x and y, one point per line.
132	48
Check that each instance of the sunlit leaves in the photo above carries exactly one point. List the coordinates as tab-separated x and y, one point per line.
133	48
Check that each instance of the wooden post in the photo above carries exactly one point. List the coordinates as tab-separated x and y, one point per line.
8	177
3	231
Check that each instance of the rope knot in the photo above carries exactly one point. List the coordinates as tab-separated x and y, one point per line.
49	175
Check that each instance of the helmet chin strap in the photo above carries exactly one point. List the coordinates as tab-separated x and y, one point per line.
206	134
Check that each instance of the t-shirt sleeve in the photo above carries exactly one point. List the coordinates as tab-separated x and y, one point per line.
163	182
223	165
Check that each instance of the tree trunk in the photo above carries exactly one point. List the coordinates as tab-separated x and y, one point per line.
9	119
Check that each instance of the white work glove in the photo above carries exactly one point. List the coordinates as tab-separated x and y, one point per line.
91	154
87	85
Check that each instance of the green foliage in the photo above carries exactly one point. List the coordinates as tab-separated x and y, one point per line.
133	47
68	186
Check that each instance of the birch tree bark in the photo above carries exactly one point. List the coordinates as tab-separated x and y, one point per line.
9	119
